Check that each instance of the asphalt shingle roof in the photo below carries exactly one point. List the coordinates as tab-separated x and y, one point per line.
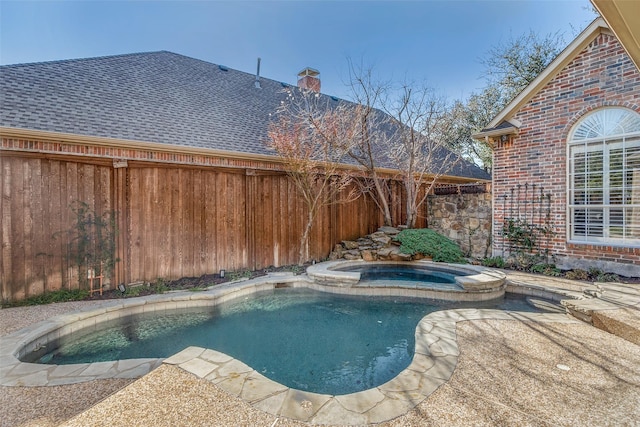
157	97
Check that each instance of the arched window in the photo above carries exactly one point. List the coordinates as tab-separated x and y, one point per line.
604	178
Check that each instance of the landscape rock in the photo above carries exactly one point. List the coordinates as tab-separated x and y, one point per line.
348	244
384	252
391	231
399	256
380	245
368	255
383	240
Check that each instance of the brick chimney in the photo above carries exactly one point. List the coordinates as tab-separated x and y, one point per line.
309	79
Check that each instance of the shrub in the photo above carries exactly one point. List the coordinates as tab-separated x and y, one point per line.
133	291
546	269
496	261
427	242
577	274
160	287
594	272
608	277
240	274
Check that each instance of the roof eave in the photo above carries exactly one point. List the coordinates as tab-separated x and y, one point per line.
12	132
597	27
494	132
623	17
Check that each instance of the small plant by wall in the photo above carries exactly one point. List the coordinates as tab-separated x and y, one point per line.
91	242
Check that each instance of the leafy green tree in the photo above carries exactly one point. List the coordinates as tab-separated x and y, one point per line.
512	65
470	117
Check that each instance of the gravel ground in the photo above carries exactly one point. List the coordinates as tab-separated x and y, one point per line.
16	318
48	406
507	374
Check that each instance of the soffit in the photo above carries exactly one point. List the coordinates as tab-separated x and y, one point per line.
623	17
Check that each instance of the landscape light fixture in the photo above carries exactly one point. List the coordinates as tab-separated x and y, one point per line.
222	274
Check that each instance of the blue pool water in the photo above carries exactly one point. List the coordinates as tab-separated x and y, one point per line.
304	339
406	275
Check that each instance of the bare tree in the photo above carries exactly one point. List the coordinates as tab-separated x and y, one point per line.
309	136
419	143
372	139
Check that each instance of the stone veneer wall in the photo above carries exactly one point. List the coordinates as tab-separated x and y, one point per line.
465	219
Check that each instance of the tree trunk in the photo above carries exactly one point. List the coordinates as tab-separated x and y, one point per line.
304	240
411	219
411	205
382	197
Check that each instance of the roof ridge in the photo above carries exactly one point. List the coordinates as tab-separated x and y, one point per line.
91	58
134	54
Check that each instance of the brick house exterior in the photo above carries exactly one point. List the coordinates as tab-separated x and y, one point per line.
537	145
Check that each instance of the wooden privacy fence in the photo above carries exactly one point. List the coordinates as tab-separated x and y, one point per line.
172	220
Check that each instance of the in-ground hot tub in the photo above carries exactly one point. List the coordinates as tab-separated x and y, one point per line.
450	282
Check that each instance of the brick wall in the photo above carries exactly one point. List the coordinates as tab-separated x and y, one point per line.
601	75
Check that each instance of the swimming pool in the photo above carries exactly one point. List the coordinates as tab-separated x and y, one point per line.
304	339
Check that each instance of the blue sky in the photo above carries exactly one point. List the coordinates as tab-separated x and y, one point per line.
437	42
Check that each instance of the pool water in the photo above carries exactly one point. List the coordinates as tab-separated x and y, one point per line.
405	275
303	339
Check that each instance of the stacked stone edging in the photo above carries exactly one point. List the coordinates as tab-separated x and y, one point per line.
379	246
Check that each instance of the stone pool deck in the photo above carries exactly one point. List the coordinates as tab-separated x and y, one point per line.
612	307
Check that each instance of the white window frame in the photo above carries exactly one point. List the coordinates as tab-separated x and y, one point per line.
605	142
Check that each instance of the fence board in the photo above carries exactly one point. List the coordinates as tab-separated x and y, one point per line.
161	217
27	229
17	237
199	232
236	221
220	226
134	227
35	273
210	213
148	189
119	193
